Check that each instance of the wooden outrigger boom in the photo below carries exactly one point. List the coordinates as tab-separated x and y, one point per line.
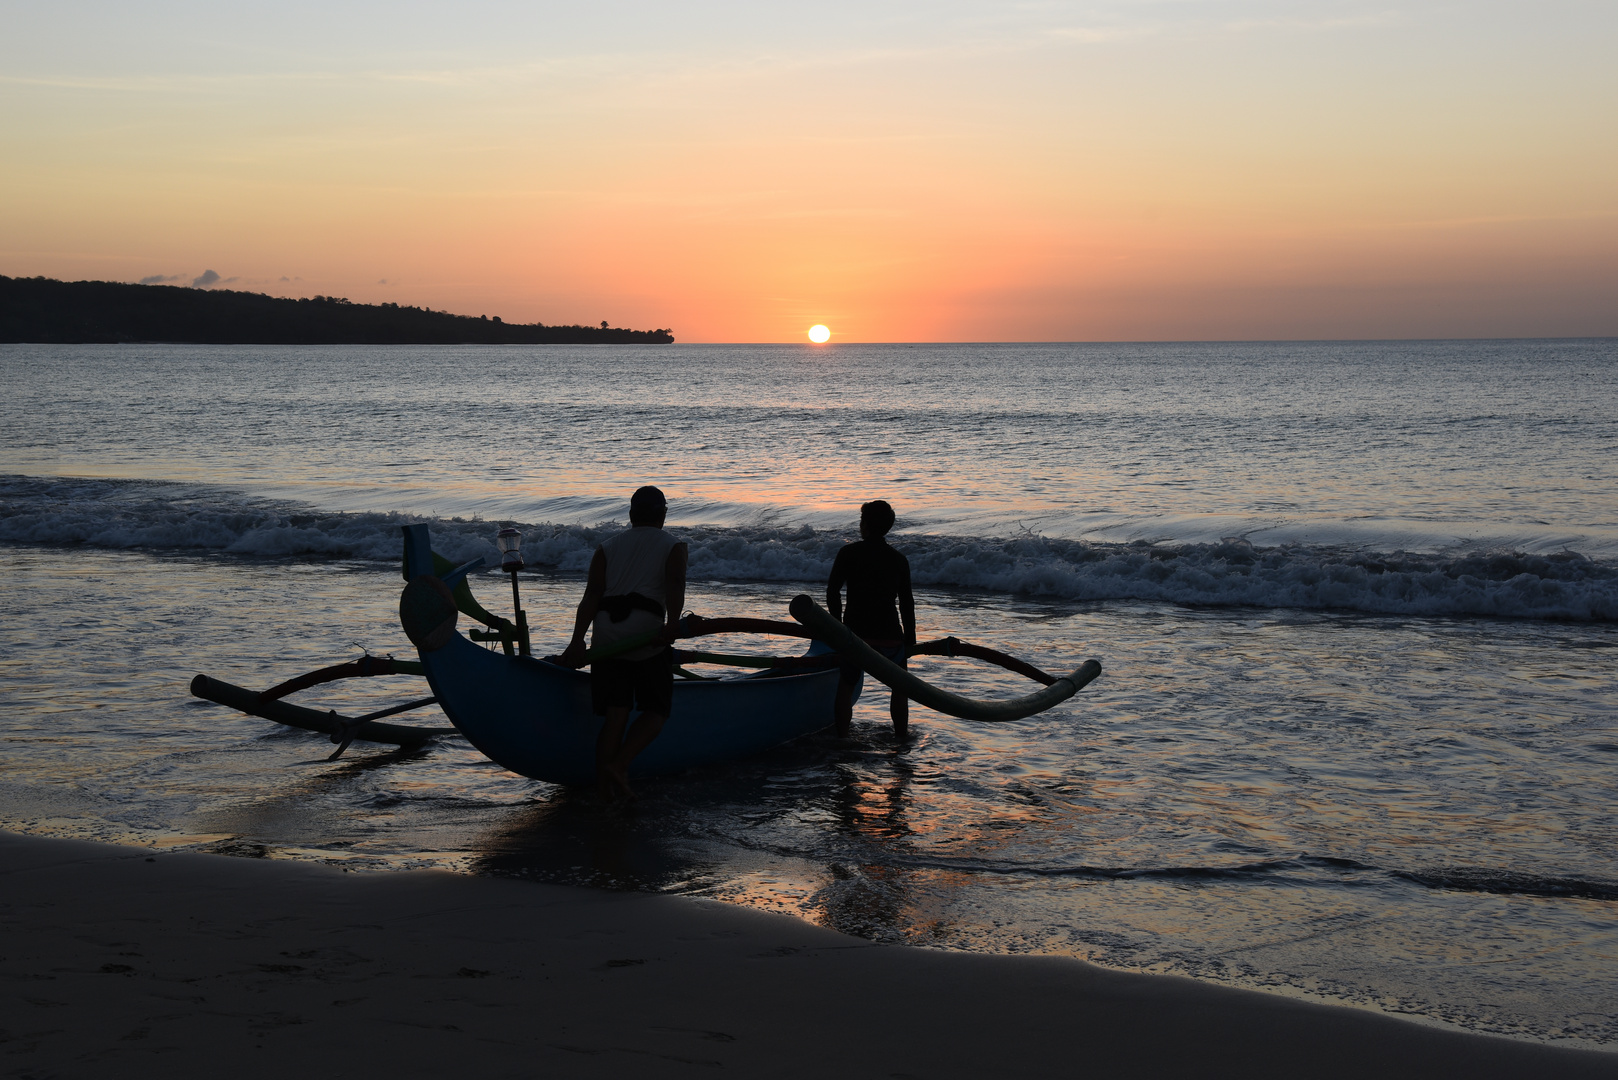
828	629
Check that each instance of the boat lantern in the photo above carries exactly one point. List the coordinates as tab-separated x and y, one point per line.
510	543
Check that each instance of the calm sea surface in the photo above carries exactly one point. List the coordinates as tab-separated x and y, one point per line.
1357	737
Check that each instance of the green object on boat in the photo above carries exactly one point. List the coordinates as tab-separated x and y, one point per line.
466	603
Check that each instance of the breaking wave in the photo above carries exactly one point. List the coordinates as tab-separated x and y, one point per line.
136	514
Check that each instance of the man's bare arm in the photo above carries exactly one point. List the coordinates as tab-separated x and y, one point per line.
834	588
907	608
674	590
595	587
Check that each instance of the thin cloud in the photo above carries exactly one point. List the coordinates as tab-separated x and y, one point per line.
208	278
158	279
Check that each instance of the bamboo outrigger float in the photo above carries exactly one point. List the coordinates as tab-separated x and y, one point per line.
533	716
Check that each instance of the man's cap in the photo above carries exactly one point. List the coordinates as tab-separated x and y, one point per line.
647	498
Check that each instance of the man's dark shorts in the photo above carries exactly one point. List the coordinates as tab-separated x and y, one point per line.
850	672
647	685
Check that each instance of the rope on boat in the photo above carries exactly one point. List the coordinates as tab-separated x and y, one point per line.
825	628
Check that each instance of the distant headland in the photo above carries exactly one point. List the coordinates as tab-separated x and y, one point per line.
47	311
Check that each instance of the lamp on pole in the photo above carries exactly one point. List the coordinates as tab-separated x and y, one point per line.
509	541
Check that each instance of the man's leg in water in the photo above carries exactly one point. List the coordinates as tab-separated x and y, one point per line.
608	743
652	687
640	736
899	705
842	710
899	709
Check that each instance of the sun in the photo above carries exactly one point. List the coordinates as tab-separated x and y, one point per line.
819	334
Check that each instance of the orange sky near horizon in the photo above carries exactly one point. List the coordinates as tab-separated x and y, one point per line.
1075	172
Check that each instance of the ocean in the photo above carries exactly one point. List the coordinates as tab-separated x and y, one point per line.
1356	738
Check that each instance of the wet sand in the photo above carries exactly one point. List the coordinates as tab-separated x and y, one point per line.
121	962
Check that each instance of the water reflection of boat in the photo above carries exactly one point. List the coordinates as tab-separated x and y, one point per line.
533	715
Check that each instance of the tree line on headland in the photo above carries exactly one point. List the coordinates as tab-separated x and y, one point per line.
83	312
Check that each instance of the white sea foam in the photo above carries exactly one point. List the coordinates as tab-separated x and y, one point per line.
1474	581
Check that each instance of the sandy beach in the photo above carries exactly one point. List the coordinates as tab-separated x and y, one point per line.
121	961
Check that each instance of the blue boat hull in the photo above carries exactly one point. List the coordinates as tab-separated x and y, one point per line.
534	718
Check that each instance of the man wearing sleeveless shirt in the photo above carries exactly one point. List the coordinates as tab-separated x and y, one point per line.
636	586
877	576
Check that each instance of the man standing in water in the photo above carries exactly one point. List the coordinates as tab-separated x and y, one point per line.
636	586
876	576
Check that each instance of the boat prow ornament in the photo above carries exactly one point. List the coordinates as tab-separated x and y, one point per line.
533	716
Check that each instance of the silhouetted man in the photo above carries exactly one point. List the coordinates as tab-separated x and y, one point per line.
877	576
636	586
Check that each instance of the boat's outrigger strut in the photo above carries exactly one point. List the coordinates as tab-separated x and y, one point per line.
342	729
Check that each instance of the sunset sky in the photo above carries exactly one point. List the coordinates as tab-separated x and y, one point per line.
896	171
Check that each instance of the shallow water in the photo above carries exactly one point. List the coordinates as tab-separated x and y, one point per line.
1314	768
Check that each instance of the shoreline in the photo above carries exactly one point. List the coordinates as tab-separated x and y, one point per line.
115	960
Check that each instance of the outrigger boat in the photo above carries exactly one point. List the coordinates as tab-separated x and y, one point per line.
532	715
